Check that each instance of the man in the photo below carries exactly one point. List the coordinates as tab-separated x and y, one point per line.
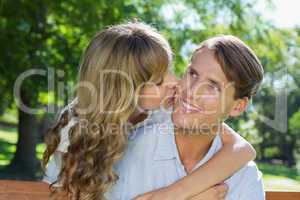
223	75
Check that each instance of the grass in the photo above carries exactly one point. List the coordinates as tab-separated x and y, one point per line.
276	177
282	183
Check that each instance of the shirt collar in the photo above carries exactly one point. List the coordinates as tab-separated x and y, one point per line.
166	148
215	146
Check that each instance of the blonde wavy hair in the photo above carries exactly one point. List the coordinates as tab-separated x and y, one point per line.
116	63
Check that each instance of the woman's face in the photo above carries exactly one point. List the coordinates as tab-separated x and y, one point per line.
157	94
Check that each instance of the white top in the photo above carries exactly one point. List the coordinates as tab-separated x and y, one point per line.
54	165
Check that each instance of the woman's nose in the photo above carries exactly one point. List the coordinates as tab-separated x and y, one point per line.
172	80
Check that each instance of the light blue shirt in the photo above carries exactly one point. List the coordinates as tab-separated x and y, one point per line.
151	161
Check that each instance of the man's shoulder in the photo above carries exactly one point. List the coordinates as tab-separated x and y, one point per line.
147	140
248	173
142	141
246	183
251	169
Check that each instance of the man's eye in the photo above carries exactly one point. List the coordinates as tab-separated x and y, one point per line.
214	88
192	73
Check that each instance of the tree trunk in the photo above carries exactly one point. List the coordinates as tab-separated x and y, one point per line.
25	164
289	153
262	152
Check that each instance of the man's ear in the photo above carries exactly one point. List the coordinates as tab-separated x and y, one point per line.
240	105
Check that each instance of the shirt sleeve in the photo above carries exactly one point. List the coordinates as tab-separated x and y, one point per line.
64	137
252	185
53	169
64	132
54	166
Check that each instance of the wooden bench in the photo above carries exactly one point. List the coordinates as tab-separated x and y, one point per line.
23	190
26	190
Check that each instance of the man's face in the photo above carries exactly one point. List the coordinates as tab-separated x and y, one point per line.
205	97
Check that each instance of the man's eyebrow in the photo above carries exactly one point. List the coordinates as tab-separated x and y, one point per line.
194	70
192	58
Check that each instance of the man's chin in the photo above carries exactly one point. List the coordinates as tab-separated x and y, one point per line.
182	121
187	119
186	122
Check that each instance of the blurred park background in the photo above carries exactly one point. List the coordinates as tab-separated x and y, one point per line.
51	34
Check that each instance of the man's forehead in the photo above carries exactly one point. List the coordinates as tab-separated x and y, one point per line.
204	61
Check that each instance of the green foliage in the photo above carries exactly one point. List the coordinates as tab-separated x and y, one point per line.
43	34
294	124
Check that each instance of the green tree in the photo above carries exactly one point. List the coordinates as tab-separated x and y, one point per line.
50	34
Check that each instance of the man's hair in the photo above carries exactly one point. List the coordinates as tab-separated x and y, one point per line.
238	62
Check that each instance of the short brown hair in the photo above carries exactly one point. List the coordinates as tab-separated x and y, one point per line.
239	63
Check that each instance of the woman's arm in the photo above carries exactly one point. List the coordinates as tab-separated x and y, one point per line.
217	192
234	154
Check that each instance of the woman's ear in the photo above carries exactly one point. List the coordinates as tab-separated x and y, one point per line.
239	107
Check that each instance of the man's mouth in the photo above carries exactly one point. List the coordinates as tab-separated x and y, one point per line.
189	108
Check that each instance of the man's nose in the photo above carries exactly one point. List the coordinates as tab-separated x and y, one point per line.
195	91
188	94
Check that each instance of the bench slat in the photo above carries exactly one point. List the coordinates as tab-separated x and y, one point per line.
274	195
27	190
23	190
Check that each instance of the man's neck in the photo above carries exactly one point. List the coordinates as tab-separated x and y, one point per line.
193	146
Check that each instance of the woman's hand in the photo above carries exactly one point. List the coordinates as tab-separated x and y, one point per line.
217	192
